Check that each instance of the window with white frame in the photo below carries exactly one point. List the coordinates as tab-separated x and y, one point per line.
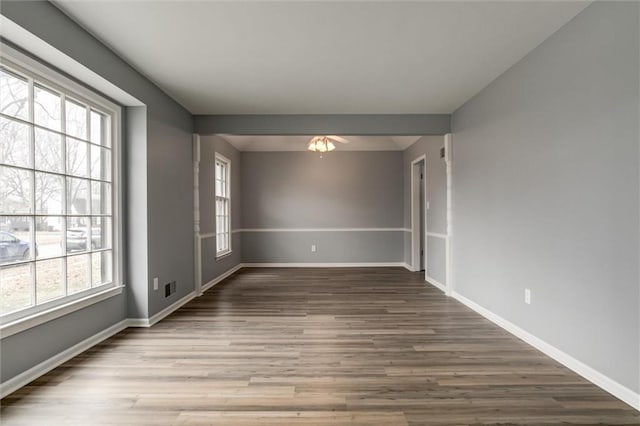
58	157
223	205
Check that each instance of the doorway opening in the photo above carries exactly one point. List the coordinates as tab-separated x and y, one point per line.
418	215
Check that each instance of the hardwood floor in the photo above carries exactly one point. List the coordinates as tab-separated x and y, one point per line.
350	346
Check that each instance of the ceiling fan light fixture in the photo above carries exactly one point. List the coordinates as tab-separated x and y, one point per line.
323	143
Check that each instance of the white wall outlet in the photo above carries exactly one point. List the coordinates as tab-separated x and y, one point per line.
155	283
428	205
313	248
527	296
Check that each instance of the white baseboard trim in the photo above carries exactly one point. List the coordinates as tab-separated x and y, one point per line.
325	265
26	377
436	235
137	322
614	388
437	284
407	267
144	322
221	277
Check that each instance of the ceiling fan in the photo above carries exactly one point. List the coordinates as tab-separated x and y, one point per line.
325	143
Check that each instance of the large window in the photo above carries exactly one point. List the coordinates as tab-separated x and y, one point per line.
223	206
57	191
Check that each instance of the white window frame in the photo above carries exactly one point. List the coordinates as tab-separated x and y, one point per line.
221	158
29	68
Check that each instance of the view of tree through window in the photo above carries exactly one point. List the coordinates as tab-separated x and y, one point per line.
56	189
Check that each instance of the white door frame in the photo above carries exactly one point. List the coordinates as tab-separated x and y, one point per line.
415	212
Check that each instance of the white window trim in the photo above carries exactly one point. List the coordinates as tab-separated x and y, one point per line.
37	315
225	253
47	315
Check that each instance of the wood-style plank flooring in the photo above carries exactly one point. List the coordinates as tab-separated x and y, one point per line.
315	347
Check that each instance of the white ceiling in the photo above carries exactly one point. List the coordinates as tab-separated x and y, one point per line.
299	143
327	57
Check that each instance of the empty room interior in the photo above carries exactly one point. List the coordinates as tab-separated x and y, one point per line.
319	212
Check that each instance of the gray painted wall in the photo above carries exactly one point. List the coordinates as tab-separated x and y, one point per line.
161	210
436	181
332	247
406	254
169	209
437	259
212	267
135	127
545	178
309	124
24	350
342	190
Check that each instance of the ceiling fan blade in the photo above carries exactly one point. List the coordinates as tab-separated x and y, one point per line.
338	139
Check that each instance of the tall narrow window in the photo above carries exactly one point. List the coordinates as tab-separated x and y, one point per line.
57	191
223	206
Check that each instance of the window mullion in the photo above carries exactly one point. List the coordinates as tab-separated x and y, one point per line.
88	138
65	211
32	147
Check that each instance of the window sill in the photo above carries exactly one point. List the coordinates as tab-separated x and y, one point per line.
30	321
223	255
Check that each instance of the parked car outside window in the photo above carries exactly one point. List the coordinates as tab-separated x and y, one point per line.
77	239
13	249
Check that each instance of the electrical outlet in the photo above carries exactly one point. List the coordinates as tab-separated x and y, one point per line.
527	296
428	206
313	248
155	283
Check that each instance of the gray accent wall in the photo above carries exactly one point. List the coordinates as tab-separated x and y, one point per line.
300	190
310	124
209	146
158	198
342	190
546	192
331	247
436	183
